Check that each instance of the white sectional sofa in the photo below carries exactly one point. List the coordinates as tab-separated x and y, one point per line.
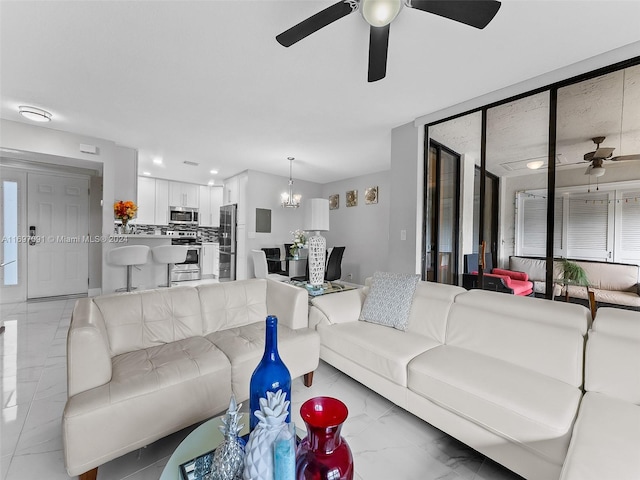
143	365
606	438
501	373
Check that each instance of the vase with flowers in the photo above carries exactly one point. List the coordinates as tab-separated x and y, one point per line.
125	210
299	241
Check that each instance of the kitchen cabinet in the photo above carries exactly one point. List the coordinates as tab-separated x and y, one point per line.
153	201
235	191
210	260
184	195
210	202
146	201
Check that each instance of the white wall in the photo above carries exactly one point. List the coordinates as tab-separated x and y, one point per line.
406	187
263	191
363	229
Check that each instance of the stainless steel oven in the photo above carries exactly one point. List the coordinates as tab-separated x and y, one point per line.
191	268
183	215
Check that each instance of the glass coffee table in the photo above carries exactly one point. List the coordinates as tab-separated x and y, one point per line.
327	287
202	440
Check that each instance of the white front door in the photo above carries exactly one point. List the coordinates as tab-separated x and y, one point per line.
13	272
58	227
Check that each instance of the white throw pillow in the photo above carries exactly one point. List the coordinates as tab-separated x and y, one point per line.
389	300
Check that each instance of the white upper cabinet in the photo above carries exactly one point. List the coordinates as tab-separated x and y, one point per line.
146	201
210	202
184	195
162	202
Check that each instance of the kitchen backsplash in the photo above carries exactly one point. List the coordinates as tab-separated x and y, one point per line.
208	234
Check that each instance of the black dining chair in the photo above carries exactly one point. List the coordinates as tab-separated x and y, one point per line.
287	252
274	267
334	265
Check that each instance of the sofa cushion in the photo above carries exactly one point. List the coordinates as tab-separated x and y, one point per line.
389	299
514	275
619	297
613	366
244	346
611	276
436	300
232	304
605	441
381	350
135	321
516	403
514	329
616	321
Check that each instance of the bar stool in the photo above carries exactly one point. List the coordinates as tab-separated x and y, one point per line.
128	256
169	254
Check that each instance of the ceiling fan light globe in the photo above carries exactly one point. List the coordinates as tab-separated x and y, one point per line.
597	171
379	13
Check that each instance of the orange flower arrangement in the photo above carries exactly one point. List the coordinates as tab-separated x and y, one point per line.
125	210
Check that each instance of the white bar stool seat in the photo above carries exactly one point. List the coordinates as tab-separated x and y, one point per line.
128	256
169	254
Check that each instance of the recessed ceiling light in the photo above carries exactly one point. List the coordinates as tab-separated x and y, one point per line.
213	172
157	161
146	173
211	182
34	114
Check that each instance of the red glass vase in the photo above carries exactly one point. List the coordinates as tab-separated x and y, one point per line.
323	454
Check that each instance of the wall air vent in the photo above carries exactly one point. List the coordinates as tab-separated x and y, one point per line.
193	164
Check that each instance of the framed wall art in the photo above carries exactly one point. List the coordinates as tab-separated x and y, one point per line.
371	195
334	201
352	198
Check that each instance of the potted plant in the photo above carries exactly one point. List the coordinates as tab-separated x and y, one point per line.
299	241
574	273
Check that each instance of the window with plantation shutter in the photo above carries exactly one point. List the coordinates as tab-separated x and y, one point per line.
532	225
628	228
590	226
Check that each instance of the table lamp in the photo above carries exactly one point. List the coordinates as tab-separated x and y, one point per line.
317	220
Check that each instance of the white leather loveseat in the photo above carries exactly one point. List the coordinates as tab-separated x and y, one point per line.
501	373
143	365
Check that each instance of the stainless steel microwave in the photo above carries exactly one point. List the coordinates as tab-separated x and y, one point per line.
184	215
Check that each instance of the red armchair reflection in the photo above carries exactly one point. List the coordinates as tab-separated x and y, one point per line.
497	279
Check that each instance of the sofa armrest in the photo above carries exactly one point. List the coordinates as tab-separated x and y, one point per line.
289	303
337	307
88	355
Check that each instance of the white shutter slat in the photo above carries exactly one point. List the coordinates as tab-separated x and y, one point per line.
630	222
588	222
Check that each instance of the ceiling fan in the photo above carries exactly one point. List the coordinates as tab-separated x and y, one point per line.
380	13
600	154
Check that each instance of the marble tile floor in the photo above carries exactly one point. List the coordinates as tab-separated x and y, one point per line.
387	442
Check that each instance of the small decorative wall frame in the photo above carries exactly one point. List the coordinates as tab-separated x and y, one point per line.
352	198
334	201
371	195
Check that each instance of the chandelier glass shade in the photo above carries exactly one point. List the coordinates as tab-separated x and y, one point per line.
288	198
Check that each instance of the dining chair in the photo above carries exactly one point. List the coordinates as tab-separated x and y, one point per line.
260	268
334	264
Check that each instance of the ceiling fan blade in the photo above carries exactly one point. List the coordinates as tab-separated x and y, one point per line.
476	13
588	170
603	152
316	22
622	158
378	47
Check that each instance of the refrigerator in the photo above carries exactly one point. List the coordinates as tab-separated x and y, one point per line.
227	242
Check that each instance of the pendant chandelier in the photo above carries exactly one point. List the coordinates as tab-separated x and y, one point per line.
289	200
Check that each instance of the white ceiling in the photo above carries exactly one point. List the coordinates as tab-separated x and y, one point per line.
205	81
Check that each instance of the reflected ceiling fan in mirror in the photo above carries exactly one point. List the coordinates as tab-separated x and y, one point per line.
600	154
380	13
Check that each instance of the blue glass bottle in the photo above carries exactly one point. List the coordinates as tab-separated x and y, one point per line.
270	375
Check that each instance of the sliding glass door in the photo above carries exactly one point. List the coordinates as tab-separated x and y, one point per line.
442	215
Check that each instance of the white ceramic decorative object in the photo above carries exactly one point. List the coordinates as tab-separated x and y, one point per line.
258	458
317	257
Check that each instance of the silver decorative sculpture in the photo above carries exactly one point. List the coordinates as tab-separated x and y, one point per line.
228	459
